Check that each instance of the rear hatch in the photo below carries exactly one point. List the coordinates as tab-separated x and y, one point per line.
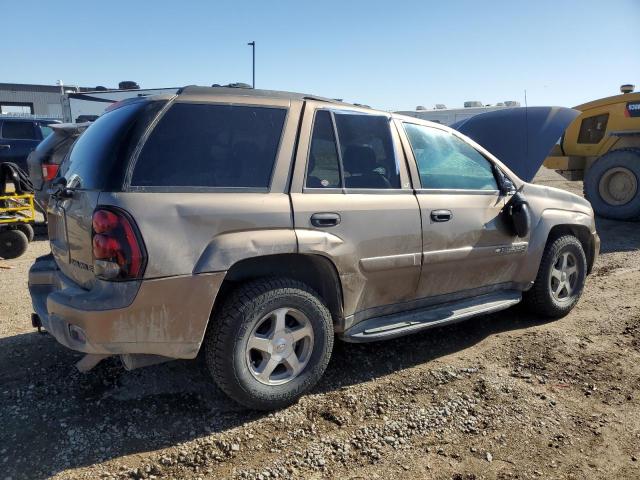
97	163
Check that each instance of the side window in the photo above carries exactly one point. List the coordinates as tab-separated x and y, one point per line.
366	148
592	129
18	130
323	167
199	145
447	162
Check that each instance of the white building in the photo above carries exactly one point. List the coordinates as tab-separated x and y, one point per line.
447	116
22	99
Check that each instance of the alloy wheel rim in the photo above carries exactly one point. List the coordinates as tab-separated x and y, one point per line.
618	186
563	279
279	346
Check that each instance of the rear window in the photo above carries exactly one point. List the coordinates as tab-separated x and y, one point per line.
19	130
223	146
100	155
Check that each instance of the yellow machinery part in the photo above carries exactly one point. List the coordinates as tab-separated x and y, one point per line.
21	206
564	163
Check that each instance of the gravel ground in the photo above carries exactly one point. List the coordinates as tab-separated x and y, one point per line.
502	396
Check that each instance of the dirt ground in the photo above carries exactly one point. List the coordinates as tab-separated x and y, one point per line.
506	396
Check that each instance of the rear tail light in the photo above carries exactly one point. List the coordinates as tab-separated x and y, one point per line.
49	171
118	250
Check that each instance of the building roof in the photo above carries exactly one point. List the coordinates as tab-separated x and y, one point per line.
30	87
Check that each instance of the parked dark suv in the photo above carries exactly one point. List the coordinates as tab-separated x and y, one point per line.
45	160
20	136
257	225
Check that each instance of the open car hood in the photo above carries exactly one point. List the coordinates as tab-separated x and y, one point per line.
520	137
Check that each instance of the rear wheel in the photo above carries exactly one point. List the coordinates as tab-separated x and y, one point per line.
270	342
612	184
13	243
560	279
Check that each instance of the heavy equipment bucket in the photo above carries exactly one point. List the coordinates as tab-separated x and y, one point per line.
520	137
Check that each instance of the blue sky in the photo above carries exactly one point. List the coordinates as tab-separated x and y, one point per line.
389	54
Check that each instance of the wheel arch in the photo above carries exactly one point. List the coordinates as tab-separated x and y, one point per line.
582	233
554	223
317	271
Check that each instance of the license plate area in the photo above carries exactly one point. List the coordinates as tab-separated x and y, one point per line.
58	232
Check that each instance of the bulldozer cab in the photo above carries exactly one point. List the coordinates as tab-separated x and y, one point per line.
603	124
602	146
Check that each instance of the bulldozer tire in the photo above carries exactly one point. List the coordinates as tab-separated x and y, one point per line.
612	184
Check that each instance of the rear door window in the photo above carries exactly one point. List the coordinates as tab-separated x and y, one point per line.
364	146
323	167
18	130
447	162
204	145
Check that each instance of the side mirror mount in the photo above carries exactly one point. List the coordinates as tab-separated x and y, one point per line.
507	187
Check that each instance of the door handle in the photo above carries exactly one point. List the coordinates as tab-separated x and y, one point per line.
7	147
441	215
325	219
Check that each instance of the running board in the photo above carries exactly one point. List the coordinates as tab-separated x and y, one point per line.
404	323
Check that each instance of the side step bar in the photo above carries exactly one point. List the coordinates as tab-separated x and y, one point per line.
399	324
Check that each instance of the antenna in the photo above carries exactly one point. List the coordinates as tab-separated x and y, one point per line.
526	126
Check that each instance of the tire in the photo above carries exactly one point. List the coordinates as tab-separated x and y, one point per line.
27	230
546	297
251	313
13	243
625	163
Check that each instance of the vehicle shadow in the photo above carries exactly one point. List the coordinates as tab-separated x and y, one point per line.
69	420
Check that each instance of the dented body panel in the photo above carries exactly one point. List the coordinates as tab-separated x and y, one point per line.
388	253
165	316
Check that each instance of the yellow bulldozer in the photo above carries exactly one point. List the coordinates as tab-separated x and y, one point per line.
602	147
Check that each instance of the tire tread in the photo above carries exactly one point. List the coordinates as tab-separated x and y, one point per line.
537	298
219	345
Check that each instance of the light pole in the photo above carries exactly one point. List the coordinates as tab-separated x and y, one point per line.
253	49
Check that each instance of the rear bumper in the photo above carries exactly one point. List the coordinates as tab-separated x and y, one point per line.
165	316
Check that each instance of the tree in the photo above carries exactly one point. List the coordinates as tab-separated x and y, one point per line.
128	85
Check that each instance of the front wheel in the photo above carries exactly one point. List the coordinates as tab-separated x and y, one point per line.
270	343
560	279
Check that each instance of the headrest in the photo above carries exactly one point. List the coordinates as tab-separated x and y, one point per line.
359	159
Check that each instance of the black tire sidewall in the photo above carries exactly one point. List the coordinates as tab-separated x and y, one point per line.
627	158
572	245
13	243
27	230
238	382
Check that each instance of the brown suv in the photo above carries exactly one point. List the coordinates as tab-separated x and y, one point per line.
258	224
